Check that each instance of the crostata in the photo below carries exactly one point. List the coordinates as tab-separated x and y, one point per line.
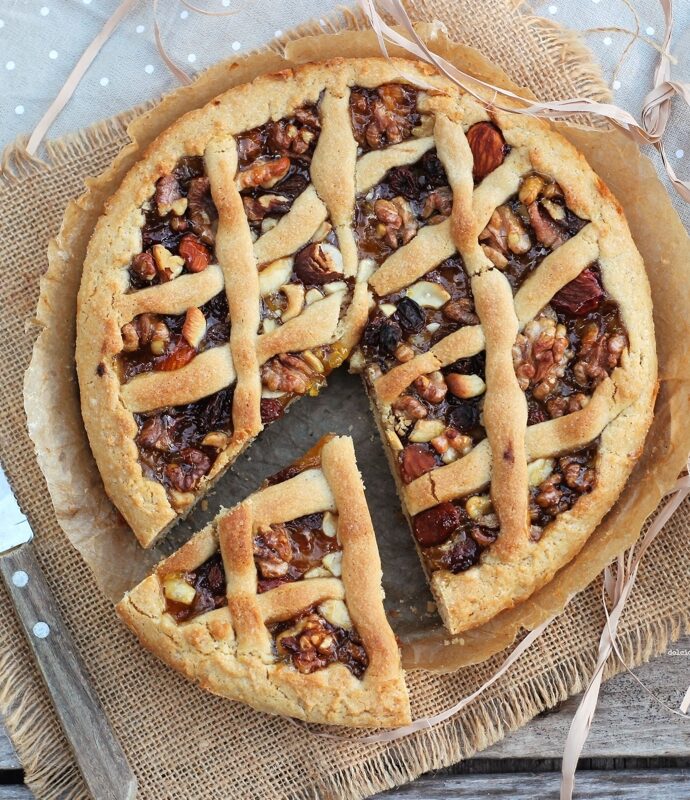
466	260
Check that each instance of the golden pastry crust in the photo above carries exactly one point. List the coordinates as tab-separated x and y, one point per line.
230	651
619	410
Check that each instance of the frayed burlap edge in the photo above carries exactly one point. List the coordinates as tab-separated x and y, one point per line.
569	49
52	776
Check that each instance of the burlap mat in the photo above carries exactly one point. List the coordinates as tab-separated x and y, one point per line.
180	741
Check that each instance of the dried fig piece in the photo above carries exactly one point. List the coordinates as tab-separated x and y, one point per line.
581	295
435	525
317	264
415	460
488	148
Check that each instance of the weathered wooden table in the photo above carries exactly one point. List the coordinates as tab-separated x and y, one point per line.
636	751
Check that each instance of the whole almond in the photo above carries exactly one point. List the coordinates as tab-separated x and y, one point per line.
488	148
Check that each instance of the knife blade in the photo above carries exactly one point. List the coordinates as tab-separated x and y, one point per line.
97	752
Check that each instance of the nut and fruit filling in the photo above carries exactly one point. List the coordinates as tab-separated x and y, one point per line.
386	115
408	198
320	636
453	535
303	548
574	343
167	342
179	445
289	285
189	594
287	376
527	227
404	324
439	419
556	484
274	162
179	228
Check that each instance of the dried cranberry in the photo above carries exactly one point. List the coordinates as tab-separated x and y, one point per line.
271	410
580	296
415	460
436	524
433	170
410	315
403	182
463	555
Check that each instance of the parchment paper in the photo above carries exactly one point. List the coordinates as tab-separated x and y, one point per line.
96	529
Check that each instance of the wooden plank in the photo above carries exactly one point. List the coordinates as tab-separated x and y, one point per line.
627	722
15	793
8	758
672	784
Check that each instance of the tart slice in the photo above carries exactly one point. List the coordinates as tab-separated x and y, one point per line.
278	602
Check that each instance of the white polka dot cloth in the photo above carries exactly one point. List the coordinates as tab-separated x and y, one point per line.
41	41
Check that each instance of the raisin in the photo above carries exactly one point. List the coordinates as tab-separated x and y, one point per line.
403	182
464	416
535	413
389	337
436	524
434	172
463	555
410	315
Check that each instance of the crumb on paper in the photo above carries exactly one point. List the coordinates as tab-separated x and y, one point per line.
204	504
431	607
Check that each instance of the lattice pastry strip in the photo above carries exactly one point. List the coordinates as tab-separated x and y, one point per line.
310	643
500	307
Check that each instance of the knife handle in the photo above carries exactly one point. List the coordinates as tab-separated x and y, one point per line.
97	752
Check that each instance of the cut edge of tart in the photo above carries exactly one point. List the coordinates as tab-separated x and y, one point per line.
278	602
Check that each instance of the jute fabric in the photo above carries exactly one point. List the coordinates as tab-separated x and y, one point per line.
180	741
